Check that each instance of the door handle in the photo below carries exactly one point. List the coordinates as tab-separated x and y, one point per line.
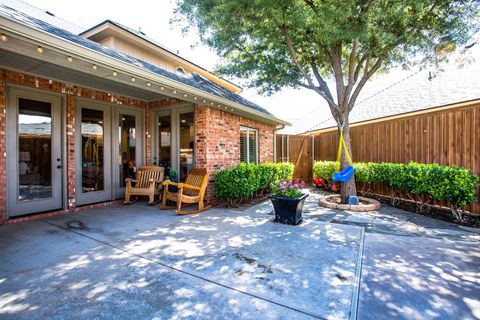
59	166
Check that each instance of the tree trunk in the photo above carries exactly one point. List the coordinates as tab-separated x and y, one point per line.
347	188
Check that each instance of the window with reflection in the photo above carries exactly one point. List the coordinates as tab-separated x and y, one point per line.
164	141
92	150
187	143
126	147
34	149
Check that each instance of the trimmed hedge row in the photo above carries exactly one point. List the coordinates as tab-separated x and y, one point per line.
457	186
245	180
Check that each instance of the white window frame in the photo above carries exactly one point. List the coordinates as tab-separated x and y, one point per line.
248	130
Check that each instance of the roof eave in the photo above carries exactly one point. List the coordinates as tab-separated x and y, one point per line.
37	36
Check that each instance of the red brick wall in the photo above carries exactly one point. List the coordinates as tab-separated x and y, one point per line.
218	140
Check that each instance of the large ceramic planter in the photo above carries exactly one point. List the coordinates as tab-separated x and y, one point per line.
288	210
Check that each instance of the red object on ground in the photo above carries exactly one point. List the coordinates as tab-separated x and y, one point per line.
334	187
318	182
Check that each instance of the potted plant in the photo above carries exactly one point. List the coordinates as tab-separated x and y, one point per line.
287	199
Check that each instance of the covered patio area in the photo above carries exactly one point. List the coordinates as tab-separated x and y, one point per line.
78	116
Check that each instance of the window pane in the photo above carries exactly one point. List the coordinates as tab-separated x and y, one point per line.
252	146
187	138
92	150
34	149
164	140
127	146
243	146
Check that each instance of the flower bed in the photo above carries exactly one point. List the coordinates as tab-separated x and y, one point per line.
421	183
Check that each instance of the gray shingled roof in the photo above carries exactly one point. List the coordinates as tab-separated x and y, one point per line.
42	15
146	38
192	80
412	91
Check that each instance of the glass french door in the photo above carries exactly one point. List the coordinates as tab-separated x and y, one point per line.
186	143
93	170
109	148
163	138
34	156
174	139
128	147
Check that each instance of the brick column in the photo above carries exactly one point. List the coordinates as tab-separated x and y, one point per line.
201	146
71	151
3	144
217	139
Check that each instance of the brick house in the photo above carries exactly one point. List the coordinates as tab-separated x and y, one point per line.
80	108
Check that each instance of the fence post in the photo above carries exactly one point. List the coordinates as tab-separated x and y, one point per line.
313	154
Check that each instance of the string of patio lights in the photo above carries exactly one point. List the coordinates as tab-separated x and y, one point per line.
70	59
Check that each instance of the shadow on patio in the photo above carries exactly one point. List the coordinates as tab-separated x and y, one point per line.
137	261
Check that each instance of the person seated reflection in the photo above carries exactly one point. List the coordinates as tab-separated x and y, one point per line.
129	169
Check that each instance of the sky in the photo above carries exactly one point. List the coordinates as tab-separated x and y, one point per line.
301	107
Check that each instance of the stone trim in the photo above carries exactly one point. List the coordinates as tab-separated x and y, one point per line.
332	202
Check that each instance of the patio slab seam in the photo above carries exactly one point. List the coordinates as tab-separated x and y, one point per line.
358	277
159	262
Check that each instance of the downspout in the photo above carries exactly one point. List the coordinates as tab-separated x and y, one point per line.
275	141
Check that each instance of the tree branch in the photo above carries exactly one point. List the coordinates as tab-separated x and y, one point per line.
311	5
359	67
337	71
351	72
300	68
322	83
294	56
351	62
323	94
367	74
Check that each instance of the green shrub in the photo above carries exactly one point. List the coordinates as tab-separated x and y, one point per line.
364	172
245	180
457	186
325	169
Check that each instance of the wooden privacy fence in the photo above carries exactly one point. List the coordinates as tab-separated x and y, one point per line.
296	149
448	136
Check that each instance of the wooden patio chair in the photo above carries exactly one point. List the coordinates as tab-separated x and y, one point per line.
148	182
190	192
90	177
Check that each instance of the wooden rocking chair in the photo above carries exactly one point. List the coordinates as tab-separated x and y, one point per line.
148	182
192	191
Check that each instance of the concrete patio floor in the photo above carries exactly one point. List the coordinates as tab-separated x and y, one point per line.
135	262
